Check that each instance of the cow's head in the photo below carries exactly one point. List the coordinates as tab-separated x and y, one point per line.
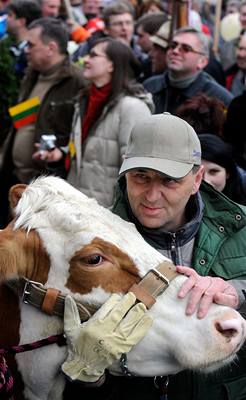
66	240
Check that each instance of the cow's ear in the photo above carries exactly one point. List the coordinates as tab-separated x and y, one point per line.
15	194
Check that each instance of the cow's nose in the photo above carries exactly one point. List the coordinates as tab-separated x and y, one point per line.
229	328
233	332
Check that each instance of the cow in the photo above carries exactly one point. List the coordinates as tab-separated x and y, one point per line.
66	241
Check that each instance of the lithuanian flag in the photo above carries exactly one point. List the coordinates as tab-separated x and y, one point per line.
25	113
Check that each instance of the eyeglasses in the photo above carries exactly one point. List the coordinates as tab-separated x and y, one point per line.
184	48
93	54
121	23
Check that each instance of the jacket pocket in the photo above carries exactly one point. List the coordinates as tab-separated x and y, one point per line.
236	389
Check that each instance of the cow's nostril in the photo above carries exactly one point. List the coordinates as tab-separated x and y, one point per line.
226	332
228	328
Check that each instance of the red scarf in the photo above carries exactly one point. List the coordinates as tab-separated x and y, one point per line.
97	99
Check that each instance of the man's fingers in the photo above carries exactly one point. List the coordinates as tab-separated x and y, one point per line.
203	291
186	287
226	299
189	283
202	288
205	303
186	271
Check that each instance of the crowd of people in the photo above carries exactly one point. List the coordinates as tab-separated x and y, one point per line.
147	119
122	64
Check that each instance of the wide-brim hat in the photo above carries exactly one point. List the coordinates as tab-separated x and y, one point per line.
161	37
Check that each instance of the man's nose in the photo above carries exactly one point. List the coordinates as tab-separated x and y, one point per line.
86	58
153	193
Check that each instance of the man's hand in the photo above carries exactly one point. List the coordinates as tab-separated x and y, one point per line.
48	156
94	345
205	290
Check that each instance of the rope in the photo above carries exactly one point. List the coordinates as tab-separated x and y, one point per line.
6	378
6	381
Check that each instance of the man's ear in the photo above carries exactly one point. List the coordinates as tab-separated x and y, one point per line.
15	194
198	179
53	47
202	62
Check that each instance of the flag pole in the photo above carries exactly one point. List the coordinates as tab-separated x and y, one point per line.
217	27
68	9
183	13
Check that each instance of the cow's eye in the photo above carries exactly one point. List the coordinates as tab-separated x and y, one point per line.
95	259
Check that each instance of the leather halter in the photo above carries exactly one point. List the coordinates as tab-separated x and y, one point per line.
154	283
51	301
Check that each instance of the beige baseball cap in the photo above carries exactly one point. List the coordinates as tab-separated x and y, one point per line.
164	143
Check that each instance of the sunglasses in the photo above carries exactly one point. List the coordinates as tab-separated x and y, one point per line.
183	48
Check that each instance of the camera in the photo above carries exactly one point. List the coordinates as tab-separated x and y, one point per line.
47	142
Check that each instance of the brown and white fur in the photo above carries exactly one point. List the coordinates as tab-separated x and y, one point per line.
63	239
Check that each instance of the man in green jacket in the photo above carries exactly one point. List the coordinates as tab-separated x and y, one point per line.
161	192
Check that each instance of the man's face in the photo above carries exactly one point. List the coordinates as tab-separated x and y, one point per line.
38	53
50	8
158	201
92	6
143	39
158	59
13	23
241	53
184	63
120	27
242	17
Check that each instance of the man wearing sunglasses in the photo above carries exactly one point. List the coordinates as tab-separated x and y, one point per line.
187	56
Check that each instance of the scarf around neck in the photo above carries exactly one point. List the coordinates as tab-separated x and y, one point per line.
182	83
97	99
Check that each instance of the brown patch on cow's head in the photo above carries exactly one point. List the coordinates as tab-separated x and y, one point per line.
101	264
22	254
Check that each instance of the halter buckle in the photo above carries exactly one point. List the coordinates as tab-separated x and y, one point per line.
26	290
160	276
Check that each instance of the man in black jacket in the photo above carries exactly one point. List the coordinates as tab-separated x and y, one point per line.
187	56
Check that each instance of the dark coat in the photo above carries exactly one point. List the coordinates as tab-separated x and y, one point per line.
56	110
54	116
234	131
167	98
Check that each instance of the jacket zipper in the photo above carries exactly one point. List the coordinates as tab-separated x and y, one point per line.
173	249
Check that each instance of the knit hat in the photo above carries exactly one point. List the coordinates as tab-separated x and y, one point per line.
215	150
164	143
